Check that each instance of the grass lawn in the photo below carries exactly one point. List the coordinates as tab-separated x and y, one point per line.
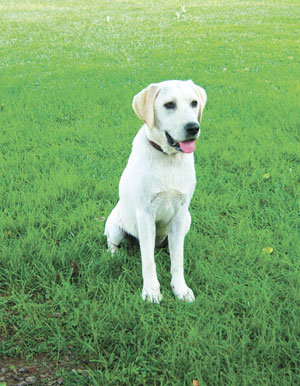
68	73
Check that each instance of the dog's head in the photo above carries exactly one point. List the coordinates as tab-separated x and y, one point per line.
172	111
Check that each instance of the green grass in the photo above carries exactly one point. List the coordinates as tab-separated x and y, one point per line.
67	79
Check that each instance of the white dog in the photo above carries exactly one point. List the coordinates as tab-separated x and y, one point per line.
158	182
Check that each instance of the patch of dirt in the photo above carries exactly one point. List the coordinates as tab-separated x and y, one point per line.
17	372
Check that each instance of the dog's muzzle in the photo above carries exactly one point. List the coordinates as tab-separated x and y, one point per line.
183	146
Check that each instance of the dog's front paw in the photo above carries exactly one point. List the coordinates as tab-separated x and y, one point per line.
183	293
152	295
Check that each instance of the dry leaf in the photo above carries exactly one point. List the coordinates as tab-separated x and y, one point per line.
32	369
100	219
195	382
268	250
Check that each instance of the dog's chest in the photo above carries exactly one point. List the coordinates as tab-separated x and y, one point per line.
166	204
173	181
173	189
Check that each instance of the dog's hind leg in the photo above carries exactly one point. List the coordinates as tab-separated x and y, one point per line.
113	231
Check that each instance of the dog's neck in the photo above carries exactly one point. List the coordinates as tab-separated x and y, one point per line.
156	139
156	146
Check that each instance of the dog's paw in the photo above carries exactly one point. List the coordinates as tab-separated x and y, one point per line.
183	293
152	295
113	248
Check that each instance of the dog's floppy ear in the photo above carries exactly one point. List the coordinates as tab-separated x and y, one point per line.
143	104
203	98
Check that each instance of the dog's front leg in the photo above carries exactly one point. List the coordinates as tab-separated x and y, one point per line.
177	231
146	231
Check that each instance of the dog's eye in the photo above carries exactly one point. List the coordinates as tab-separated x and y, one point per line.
170	105
194	104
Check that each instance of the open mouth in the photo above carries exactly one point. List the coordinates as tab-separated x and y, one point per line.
184	146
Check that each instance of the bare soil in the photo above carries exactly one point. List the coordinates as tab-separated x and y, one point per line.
18	372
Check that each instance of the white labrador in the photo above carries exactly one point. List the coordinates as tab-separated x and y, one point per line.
158	182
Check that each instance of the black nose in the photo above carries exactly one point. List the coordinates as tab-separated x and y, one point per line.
192	128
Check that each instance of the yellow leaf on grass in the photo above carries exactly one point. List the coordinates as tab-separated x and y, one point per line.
268	250
266	176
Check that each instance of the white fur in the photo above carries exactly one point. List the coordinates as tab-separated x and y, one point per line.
156	188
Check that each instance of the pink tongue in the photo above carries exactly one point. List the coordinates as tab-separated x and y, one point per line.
187	146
